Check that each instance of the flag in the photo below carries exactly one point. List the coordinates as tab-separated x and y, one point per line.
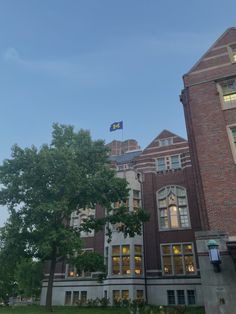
116	126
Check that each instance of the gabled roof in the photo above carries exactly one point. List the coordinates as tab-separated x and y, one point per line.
224	39
164	135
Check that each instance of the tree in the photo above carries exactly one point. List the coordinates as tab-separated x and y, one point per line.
29	275
44	186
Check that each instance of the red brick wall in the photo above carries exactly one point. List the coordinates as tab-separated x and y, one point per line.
214	168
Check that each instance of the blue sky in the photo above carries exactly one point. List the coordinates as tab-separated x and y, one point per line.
92	62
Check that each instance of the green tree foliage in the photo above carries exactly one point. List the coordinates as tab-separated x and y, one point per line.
42	187
28	275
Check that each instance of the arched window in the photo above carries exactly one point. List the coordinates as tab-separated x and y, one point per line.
173	208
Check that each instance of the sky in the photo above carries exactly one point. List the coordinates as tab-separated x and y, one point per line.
90	63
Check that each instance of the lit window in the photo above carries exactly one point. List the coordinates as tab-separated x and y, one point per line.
173	208
125	294
168	163
228	93
138	259
72	271
116	296
121	260
233	52
136	199
178	259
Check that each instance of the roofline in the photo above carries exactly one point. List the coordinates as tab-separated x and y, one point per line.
203	56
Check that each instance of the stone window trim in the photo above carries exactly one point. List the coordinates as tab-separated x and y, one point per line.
183	255
227	98
232	140
169	228
232	52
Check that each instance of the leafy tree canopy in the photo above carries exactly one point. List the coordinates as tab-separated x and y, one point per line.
43	186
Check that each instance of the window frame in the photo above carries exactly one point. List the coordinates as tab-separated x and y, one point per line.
232	142
168	165
121	256
182	255
226	105
167	207
232	52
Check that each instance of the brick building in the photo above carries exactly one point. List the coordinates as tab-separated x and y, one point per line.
164	257
209	99
189	190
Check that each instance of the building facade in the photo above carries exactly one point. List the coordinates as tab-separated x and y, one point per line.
189	190
209	99
159	266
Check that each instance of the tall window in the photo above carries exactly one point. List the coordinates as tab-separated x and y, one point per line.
136	199
232	138
168	163
121	260
228	93
138	259
178	259
233	52
173	208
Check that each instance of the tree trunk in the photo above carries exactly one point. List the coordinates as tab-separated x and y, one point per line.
50	281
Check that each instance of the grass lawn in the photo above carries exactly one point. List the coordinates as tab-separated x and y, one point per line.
74	310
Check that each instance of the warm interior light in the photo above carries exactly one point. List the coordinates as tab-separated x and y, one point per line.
231	97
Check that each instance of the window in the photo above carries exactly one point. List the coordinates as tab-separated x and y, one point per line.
171	297
136	199
68	298
232	138
78	218
125	294
233	52
166	142
75	297
168	163
72	271
121	260
228	93
83	297
116	296
138	259
173	208
191	297
178	259
139	295
180	297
